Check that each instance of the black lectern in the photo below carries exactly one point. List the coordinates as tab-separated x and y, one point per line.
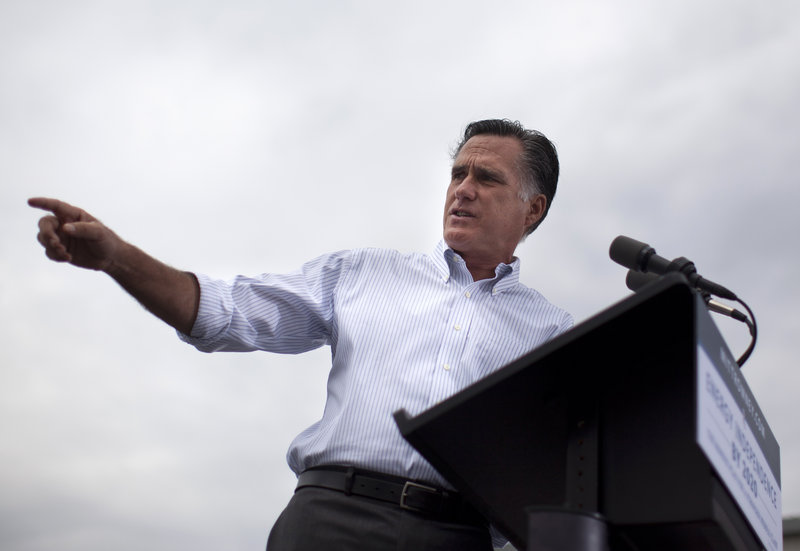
638	414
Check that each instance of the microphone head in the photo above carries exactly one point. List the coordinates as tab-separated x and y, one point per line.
636	280
630	253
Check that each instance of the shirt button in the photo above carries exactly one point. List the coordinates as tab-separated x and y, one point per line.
457	327
446	367
468	294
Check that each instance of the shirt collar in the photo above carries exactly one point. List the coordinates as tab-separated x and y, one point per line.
446	259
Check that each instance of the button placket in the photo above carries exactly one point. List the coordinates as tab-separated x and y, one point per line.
454	338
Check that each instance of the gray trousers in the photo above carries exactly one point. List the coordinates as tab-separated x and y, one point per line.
317	519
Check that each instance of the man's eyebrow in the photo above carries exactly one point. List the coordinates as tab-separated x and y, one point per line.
484	173
481	172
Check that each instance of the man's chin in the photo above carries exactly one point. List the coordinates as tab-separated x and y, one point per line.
455	241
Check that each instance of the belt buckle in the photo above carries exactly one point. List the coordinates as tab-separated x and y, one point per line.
404	495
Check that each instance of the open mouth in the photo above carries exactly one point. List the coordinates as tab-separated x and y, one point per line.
459	213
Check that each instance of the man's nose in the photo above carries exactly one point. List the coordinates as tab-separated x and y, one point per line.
466	189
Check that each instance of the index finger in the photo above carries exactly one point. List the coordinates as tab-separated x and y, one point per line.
59	208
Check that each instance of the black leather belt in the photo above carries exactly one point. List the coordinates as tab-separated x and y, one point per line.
412	496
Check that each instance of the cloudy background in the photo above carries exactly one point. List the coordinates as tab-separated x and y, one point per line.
242	137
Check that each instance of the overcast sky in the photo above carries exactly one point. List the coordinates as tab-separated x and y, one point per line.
244	137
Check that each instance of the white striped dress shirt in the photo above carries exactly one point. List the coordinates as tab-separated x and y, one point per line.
405	330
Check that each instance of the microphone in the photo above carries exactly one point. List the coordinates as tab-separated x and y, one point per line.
641	257
644	266
636	280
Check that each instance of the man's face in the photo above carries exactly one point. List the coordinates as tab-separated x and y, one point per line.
484	217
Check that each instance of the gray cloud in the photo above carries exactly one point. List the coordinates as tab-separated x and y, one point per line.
251	136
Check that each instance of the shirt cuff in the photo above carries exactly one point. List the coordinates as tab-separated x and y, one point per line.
214	314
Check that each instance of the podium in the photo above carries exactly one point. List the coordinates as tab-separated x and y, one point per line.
638	415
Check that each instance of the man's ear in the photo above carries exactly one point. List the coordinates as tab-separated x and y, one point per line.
537	207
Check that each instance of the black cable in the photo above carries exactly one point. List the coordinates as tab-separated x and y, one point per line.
753	327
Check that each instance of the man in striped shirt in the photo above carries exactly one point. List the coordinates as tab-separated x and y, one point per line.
406	331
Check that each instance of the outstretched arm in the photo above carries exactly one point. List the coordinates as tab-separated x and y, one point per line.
72	235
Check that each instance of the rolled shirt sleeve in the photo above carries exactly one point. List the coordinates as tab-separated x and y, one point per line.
283	313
